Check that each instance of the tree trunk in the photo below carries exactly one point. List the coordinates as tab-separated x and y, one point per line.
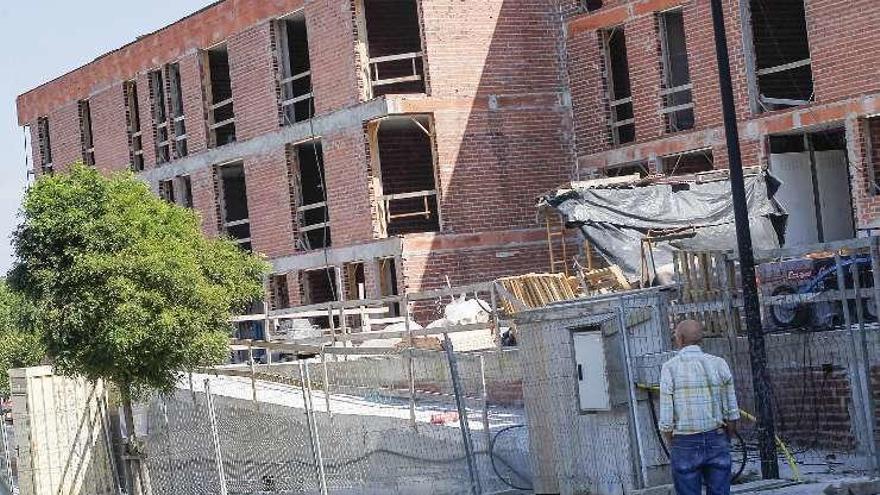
136	467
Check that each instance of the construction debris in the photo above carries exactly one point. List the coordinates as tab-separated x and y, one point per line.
536	291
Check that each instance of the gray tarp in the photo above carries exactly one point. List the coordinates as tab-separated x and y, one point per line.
615	220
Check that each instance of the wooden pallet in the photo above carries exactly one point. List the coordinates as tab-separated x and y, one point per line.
710	278
535	290
605	280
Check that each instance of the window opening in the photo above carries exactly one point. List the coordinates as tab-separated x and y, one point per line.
234	206
161	131
394	38
178	120
45	144
86	135
133	121
221	114
297	101
621	118
678	105
309	192
782	53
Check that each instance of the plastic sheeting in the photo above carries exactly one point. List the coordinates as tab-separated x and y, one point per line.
616	220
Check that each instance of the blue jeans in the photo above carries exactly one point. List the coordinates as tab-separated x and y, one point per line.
701	459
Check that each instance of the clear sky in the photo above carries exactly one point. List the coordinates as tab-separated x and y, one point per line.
42	39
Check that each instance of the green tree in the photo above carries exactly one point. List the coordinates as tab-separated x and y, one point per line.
125	286
20	343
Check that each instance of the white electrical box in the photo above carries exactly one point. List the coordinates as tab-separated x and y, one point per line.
591	371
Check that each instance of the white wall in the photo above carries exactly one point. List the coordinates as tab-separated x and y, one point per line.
60	434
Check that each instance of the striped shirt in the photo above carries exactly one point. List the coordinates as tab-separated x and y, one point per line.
696	393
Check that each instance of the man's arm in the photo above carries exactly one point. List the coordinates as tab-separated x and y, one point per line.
665	420
728	399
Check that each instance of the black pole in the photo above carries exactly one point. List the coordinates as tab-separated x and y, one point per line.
757	353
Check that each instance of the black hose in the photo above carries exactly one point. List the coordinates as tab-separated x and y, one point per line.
492	458
739	439
657	425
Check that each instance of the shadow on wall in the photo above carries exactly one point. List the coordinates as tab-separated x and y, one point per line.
514	145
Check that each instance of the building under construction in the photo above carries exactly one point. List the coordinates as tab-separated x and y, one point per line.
373	148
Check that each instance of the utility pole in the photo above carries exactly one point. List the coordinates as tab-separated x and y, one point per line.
757	353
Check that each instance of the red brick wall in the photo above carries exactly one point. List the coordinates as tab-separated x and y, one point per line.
253	82
193	103
110	129
704	67
865	135
346	178
843	36
198	31
425	271
332	34
642	41
269	204
65	136
812	408
491	47
204	200
589	104
493	165
642	50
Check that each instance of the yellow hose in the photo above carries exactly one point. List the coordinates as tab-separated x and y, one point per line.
789	458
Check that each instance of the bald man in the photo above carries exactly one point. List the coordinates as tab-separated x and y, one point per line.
698	414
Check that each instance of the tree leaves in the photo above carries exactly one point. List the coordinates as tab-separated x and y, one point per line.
125	285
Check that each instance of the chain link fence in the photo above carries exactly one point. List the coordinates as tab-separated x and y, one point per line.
411	422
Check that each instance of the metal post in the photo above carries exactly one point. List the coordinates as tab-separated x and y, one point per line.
760	382
409	362
847	320
317	455
485	396
865	368
474	475
108	444
253	374
326	382
332	325
633	403
493	297
215	435
267	335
